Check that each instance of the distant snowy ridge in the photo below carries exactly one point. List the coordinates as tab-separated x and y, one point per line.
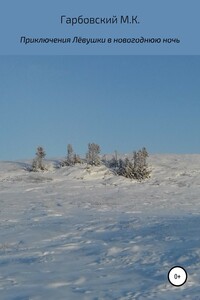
165	169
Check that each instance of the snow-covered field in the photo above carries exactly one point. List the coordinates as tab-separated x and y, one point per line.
77	233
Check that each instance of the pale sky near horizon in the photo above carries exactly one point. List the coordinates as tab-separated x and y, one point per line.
121	102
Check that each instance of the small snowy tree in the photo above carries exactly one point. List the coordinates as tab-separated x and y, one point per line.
37	163
92	156
126	168
136	169
70	156
68	161
141	170
120	170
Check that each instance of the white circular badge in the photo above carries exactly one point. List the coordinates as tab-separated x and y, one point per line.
177	276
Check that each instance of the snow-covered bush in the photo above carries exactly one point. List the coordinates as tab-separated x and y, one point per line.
69	161
136	168
140	164
126	168
92	156
72	158
37	163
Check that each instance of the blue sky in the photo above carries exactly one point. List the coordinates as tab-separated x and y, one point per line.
120	102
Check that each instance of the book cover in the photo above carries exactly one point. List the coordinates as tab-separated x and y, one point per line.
99	155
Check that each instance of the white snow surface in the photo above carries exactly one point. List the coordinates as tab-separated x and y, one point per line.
85	233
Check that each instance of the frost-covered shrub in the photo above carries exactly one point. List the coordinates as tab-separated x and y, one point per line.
69	161
140	164
72	158
136	168
70	155
126	168
92	156
37	163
